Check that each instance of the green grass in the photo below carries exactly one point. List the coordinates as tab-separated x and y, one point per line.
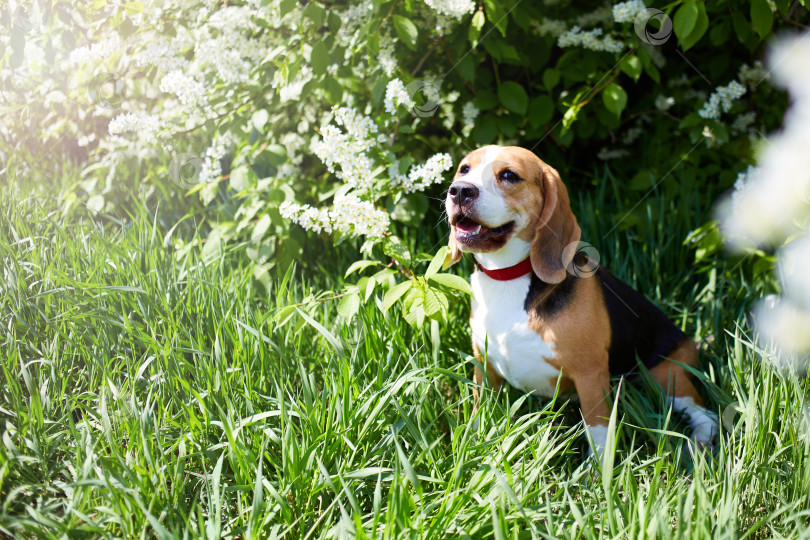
147	393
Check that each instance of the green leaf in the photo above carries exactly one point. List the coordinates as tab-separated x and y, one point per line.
395	249
359	266
319	59
406	31
541	110
259	119
436	263
316	13
395	293
685	20
496	15
550	78
615	98
452	281
761	17
435	303
698	28
349	306
513	97
631	65
474	32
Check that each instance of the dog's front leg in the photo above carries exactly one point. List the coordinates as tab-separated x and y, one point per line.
593	389
478	376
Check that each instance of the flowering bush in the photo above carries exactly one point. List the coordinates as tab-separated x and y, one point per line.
771	207
343	118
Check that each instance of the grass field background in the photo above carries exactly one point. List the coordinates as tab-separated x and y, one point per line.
148	392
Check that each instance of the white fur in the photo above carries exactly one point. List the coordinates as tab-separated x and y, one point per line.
500	328
515	251
490	207
702	421
597	437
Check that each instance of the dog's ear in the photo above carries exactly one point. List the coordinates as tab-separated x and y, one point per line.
455	251
556	228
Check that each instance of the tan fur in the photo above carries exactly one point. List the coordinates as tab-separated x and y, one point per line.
581	336
673	378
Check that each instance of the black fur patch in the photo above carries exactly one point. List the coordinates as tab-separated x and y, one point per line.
637	326
550	297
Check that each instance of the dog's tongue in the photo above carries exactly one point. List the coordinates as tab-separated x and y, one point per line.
468	226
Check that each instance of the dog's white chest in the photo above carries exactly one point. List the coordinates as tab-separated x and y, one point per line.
500	328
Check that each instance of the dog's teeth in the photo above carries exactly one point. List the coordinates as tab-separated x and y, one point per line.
477	230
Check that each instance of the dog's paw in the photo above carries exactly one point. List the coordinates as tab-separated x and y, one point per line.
703	422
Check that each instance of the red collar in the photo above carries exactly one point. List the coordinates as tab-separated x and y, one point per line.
521	269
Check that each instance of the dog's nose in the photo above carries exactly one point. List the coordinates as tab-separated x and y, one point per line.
461	192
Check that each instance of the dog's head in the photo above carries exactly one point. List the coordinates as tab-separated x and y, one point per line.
503	193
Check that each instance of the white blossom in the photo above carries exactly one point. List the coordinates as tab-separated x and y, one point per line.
189	91
751	76
395	95
344	154
550	27
134	123
589	40
771	204
95	52
348	215
722	98
452	8
663	103
626	11
422	176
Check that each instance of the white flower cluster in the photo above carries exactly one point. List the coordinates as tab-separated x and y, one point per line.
211	168
189	91
550	27
395	94
722	98
773	204
349	214
606	154
352	18
386	58
96	52
590	40
469	112
312	219
452	8
632	134
344	154
134	123
165	55
744	121
751	76
626	11
421	176
233	52
663	103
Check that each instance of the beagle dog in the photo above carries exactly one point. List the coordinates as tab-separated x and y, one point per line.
544	314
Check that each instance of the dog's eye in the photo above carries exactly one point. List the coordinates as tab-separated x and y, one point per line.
509	176
464	169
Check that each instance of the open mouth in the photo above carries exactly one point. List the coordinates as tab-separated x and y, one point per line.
468	229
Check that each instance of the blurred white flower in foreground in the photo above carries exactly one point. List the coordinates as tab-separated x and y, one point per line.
771	205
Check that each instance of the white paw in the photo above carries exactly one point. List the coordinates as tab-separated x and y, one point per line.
597	439
702	421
